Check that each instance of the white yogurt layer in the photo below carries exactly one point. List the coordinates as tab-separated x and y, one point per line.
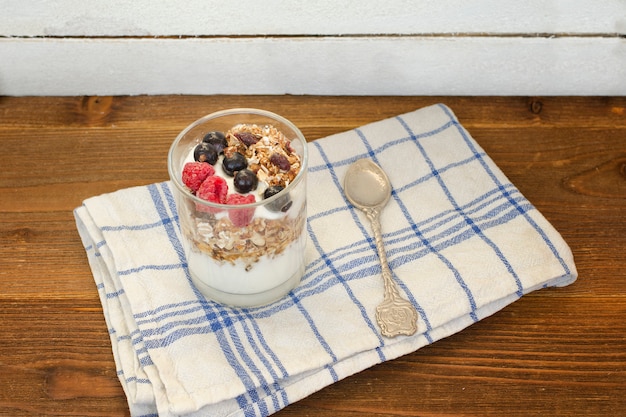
230	283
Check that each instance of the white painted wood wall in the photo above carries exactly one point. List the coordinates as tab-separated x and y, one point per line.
355	47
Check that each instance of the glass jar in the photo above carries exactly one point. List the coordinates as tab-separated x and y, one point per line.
244	247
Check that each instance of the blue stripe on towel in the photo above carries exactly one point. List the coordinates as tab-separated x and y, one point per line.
140	226
225	323
458	209
150	267
330	265
246	321
243	372
418	232
538	229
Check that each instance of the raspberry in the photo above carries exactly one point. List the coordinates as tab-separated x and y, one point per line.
240	217
213	189
194	173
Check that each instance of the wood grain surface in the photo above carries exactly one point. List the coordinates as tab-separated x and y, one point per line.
555	352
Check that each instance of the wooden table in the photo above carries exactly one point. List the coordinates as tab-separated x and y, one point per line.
554	352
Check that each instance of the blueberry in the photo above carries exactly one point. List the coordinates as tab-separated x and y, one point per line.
245	181
205	152
217	139
234	163
280	204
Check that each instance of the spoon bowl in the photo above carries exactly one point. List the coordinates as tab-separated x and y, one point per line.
366	185
368	188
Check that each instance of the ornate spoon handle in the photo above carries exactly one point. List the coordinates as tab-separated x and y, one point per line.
395	315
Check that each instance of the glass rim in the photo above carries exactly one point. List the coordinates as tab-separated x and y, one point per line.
177	179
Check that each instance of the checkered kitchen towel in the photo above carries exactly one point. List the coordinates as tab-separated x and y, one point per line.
462	242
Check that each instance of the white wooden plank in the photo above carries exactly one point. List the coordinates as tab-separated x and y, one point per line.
315	65
320	17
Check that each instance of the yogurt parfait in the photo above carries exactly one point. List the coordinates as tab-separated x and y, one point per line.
239	181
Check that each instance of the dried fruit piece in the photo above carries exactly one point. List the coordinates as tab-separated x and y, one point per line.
240	217
194	174
247	138
280	161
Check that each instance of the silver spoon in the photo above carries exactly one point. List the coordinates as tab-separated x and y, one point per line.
368	188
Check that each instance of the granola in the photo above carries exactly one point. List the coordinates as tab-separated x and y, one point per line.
261	237
268	152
